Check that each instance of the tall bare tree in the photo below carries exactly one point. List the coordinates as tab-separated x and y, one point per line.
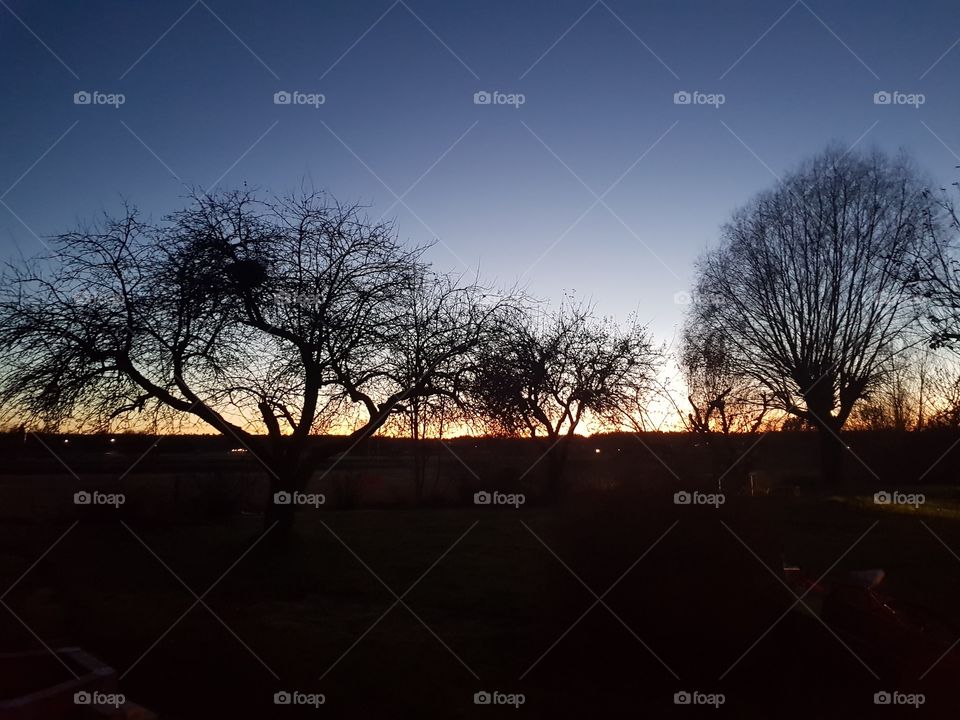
545	373
726	407
265	319
806	284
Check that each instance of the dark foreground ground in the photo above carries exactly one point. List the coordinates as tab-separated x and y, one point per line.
501	600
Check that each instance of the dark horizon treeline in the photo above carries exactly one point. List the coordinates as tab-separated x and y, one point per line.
273	320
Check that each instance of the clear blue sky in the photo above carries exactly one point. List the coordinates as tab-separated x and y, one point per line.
501	187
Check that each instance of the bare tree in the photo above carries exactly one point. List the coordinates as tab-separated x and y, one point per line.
726	407
806	284
266	320
546	373
441	311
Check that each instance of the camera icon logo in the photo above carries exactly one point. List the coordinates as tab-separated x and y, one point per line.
482	698
82	697
882	97
282	698
82	498
882	698
682	97
482	98
882	498
282	97
282	498
482	498
82	97
682	497
682	698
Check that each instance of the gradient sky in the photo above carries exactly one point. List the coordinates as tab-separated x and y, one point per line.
511	190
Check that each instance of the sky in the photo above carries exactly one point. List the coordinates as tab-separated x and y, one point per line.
585	172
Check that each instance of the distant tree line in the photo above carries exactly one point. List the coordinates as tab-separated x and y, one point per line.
271	320
823	302
830	301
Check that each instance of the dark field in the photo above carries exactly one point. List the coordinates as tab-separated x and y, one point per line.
490	598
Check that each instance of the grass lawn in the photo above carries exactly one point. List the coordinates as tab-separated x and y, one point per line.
498	602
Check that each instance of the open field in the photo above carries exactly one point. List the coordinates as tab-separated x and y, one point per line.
499	599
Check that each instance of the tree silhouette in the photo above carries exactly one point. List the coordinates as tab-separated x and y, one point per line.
544	373
727	407
806	284
267	320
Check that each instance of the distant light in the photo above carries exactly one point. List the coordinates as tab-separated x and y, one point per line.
113	440
237	450
597	451
66	442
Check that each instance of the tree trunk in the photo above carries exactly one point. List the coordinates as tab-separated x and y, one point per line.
280	512
832	451
555	461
